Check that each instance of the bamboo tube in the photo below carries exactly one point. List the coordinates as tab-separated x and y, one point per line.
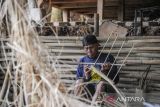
139	77
152	62
77	57
105	51
116	45
150	55
127	62
100	38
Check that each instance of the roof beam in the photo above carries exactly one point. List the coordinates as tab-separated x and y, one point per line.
73	1
76	5
121	10
84	5
84	9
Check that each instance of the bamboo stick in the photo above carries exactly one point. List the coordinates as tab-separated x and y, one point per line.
99	38
150	55
152	62
105	51
116	45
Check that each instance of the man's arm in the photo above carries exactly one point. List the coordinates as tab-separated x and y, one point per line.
113	73
83	72
79	72
111	69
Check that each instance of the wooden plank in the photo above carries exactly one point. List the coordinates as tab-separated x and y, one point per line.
77	5
65	15
96	24
81	51
100	4
89	10
121	10
72	1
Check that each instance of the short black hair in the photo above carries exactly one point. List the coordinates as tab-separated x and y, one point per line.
89	39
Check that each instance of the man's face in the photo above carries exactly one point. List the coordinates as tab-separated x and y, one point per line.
91	50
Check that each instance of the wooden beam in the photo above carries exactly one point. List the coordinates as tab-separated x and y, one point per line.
96	24
92	9
84	11
121	10
93	4
100	8
75	5
73	1
66	15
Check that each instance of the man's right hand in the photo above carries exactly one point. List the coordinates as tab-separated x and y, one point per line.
87	72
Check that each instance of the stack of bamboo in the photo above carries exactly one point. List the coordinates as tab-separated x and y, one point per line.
145	52
66	51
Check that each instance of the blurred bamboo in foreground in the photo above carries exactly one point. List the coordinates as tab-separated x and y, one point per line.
34	83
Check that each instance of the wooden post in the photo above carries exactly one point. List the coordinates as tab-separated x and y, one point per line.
65	15
135	23
121	10
141	23
96	24
100	8
56	15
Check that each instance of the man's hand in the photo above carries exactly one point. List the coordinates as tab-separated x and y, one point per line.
87	72
105	68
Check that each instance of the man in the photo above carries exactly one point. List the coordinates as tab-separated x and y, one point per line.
86	75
